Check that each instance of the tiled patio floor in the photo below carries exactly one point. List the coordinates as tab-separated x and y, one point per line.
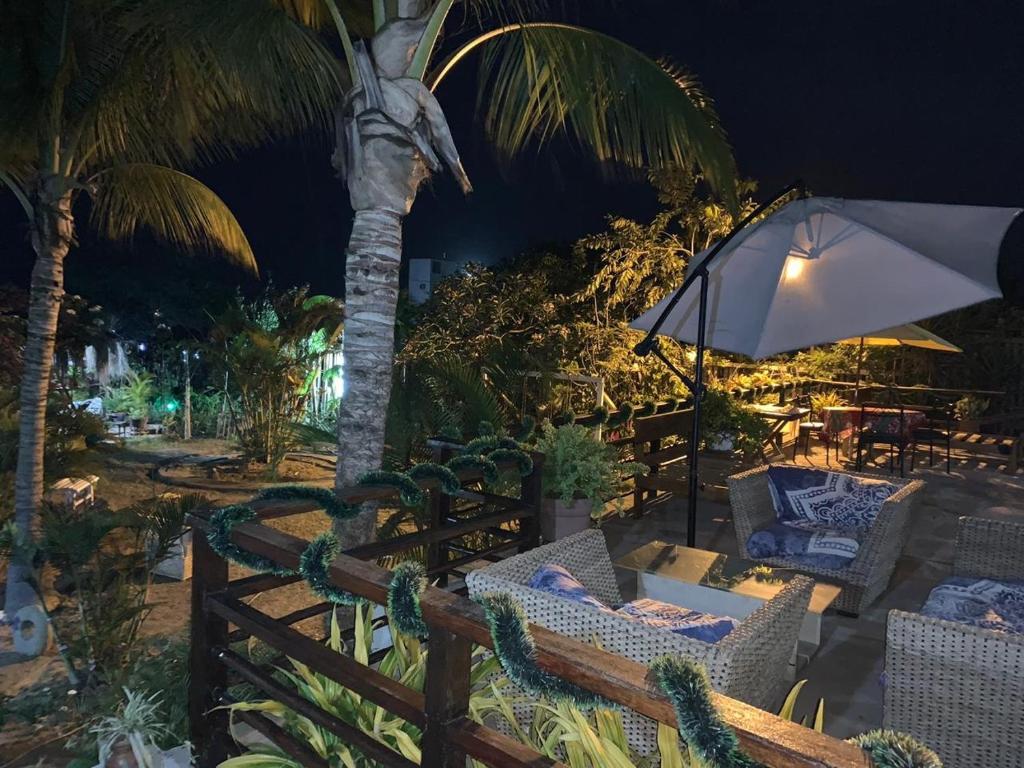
847	668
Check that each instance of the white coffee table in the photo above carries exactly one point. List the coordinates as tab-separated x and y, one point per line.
721	585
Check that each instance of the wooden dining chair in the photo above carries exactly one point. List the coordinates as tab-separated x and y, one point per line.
811	428
938	431
868	436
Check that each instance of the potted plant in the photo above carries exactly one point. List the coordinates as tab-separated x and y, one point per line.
727	425
968	411
128	739
580	474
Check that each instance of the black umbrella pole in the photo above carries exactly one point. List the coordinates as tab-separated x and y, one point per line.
698	397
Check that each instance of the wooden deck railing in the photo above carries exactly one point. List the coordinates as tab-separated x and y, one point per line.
455	624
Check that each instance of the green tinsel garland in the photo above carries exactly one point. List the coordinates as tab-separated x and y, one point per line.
890	749
483	465
526	429
487	443
448	480
408	490
524	463
485	428
647	409
333	506
700	726
670	405
313	566
517	653
622	416
221	524
408	581
568	416
600	415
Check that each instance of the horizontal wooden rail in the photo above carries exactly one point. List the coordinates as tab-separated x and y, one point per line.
497	749
275	733
369	683
444	533
766	738
351	735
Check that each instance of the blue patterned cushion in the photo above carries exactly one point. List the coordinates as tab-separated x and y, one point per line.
984	603
816	499
681	621
556	580
833	550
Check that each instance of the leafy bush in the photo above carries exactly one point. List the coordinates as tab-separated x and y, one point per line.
269	348
822	400
67	428
133	395
576	465
970	407
722	415
105	558
558	730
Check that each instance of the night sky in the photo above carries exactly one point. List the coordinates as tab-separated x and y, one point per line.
902	99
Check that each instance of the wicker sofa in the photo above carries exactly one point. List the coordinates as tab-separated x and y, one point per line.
749	664
867	576
958	688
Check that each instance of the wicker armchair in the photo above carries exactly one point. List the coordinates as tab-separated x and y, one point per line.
750	663
957	688
867	576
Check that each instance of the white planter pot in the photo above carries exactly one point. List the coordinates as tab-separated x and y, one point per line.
723	442
178	563
559	519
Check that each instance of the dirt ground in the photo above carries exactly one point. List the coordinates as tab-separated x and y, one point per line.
126	476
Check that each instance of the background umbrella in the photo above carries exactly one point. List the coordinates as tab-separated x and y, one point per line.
823	269
908	335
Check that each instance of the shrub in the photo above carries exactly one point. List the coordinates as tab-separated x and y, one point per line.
576	465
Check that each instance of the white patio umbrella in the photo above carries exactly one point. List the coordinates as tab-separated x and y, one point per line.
908	335
822	269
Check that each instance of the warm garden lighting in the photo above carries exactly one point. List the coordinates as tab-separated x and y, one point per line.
368	505
794	268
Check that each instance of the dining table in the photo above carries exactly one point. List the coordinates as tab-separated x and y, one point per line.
842	422
778	417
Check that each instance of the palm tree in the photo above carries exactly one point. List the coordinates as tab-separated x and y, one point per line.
104	101
537	79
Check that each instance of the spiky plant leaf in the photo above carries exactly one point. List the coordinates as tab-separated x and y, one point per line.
176	206
542	80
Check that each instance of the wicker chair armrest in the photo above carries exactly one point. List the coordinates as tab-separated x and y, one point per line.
992	549
751	502
584	554
887	536
761	647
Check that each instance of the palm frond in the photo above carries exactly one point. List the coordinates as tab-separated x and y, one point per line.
173	204
542	80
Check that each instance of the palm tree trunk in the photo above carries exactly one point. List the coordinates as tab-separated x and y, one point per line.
390	136
371	296
52	229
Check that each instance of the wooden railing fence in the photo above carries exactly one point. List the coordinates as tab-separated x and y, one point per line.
220	615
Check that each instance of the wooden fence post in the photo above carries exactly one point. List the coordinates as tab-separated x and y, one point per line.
532	494
208	730
440	506
446	695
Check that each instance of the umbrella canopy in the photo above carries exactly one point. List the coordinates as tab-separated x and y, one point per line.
822	269
908	335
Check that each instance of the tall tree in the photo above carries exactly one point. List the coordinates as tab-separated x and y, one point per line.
106	101
538	79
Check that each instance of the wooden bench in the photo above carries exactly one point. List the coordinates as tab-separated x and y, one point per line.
1002	447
